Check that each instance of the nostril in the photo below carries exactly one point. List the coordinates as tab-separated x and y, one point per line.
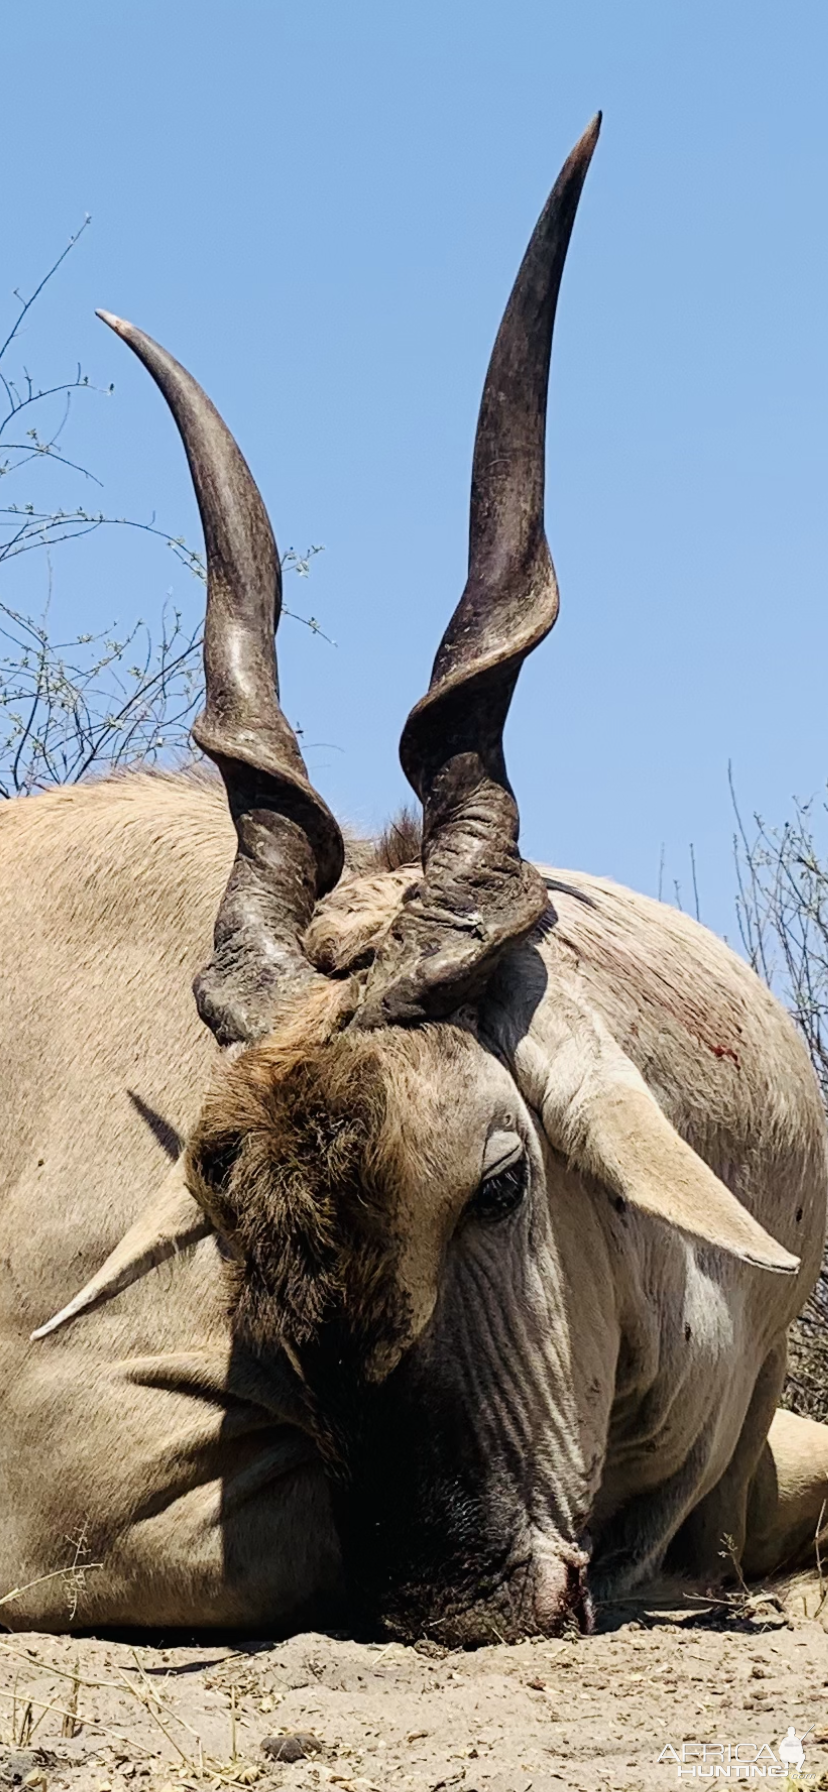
561	1596
578	1602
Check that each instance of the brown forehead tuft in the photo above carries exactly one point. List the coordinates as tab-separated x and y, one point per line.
283	1160
298	1157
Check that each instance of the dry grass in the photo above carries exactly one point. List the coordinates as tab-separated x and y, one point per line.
806	1389
194	1766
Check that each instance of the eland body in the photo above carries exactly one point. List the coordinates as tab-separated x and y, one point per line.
440	1282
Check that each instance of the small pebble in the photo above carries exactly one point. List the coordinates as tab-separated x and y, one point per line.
296	1747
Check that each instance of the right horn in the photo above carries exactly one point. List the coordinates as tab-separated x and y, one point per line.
289	850
477	894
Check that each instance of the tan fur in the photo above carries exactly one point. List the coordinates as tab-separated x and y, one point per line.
151	1429
170	1224
355	917
788	1506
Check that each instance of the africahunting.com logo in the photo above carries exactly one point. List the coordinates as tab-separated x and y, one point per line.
784	1759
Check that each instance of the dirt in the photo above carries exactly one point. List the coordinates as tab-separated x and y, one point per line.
94	1715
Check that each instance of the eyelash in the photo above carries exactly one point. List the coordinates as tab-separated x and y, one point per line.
500	1195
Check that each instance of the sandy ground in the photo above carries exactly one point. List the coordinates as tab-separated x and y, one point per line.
584	1713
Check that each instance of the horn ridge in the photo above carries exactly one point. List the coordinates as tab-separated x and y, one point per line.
477	894
290	850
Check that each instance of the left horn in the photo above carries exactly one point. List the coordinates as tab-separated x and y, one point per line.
290	849
477	894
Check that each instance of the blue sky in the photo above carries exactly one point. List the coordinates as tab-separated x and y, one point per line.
320	208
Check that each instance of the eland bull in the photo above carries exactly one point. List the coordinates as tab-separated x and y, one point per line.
439	1283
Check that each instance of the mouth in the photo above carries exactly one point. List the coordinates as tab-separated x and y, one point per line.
546	1594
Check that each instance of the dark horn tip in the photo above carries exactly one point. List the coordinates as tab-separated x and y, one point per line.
587	142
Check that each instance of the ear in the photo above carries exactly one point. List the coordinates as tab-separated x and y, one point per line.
598	1112
170	1223
632	1147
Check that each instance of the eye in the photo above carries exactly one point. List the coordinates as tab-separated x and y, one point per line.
500	1194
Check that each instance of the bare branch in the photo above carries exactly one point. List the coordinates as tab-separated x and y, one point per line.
782	906
96	701
26	304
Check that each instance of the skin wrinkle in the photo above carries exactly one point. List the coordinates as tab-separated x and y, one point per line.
507	1341
514	1416
491	1337
485	1345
